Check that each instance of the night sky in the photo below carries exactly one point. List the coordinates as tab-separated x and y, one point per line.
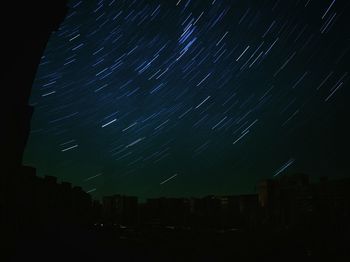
192	97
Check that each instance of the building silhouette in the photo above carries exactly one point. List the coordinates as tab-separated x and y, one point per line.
291	201
119	210
165	212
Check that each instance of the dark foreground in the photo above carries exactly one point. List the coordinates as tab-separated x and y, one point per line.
169	244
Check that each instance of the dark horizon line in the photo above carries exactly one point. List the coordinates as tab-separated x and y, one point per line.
144	199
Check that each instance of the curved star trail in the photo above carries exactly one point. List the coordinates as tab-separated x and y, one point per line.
220	93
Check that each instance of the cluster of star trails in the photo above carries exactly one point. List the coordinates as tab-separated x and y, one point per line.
131	85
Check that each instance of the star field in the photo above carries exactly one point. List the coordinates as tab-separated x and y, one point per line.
192	97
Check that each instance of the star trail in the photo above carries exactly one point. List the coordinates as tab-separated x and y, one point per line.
190	97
